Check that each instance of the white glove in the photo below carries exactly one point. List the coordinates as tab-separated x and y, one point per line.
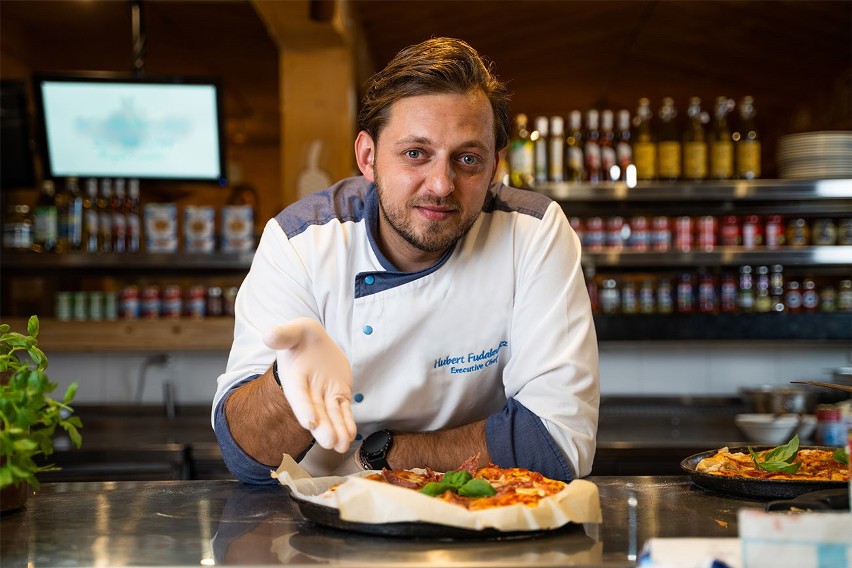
317	380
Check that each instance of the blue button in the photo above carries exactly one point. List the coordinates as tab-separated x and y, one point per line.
358	436
370	279
368	330
358	397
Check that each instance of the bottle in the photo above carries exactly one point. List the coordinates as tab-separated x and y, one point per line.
629	299
69	209
644	142
90	217
18	228
707	301
521	151
793	296
721	143
134	217
556	145
610	297
685	294
665	303
747	142
728	294
844	296
763	298
45	222
647	302
592	147
105	216
668	143
609	164
776	288
540	150
574	170
746	290
810	296
119	219
623	149
695	143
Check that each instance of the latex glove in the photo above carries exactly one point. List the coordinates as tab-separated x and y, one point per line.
317	381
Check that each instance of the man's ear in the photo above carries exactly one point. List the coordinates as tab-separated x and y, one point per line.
365	155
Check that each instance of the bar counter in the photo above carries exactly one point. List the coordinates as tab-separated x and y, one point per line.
192	523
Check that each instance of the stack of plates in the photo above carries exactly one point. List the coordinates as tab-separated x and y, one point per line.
810	155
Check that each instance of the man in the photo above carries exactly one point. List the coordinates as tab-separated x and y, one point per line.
421	311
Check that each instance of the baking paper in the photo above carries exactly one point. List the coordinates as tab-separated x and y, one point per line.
367	501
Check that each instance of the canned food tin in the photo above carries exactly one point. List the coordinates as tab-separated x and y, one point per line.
129	303
196	302
824	232
595	237
151	302
729	231
683	233
774	236
752	232
615	228
661	235
831	428
707	227
640	238
63	306
81	306
96	306
111	305
172	307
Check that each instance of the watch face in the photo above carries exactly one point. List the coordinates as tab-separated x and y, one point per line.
376	442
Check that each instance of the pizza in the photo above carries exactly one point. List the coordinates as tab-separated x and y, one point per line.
476	488
806	464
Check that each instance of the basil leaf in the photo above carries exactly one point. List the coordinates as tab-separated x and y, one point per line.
456	479
841	456
778	466
477	487
786	453
433	488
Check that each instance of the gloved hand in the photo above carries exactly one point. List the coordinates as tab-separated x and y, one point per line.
317	381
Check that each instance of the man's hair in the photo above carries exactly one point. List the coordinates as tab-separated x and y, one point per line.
437	65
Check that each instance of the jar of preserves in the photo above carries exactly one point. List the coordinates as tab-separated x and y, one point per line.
629	300
640	238
595	236
798	232
793	296
661	235
774	232
683	233
844	231
752	231
707	228
665	303
824	232
844	296
828	299
810	296
729	231
647	303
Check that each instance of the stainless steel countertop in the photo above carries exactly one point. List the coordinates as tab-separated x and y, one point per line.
192	523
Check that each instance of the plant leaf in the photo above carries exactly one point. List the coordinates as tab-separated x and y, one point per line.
477	487
434	488
841	456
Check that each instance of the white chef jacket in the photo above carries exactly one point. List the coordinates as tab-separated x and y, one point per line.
500	328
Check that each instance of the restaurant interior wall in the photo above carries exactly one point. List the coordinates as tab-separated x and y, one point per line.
228	38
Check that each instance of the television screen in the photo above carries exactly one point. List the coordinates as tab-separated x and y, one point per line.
101	125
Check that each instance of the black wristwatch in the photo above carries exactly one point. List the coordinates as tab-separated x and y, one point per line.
374	450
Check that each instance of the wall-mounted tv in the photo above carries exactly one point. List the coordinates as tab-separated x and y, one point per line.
108	125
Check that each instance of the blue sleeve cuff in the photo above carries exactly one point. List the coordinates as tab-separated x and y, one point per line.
240	464
517	438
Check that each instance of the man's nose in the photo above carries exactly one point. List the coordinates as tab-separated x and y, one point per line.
442	178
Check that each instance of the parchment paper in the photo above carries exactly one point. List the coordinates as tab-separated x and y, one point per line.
367	501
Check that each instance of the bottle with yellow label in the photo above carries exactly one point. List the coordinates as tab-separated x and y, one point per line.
521	155
721	142
644	142
695	143
668	144
747	142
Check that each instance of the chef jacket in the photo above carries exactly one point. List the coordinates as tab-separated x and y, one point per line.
499	328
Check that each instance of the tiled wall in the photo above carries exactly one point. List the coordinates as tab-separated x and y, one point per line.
641	369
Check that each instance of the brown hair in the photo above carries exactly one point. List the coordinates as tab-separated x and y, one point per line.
437	65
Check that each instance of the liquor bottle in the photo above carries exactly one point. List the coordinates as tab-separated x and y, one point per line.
668	142
134	217
45	221
574	170
609	165
747	142
746	290
90	217
694	143
592	148
119	217
69	208
644	142
556	145
623	148
18	227
521	151
763	296
105	216
540	150
776	288
721	143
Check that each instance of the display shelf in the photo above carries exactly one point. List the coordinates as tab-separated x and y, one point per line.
139	261
818	326
733	190
723	256
211	334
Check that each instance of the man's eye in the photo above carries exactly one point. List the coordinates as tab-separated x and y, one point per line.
413	154
470	160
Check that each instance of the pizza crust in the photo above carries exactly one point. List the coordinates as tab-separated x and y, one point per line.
366	501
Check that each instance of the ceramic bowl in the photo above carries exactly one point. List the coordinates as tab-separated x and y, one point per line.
768	429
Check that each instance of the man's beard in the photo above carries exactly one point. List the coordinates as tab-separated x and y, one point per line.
437	235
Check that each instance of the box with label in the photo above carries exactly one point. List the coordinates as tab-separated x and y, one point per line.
237	228
199	222
161	233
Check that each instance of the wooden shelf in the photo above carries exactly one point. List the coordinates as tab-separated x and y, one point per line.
211	334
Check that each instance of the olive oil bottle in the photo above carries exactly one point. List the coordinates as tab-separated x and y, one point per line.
644	142
747	142
668	145
574	170
721	142
521	155
694	143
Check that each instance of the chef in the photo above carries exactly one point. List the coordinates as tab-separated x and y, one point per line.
421	313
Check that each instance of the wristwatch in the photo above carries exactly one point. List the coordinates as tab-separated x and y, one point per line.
373	453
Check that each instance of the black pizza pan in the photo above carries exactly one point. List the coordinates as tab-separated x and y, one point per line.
753	488
329	517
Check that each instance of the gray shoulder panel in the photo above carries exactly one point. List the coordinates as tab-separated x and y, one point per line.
343	201
511	199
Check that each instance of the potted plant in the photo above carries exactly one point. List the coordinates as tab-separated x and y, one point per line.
28	415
